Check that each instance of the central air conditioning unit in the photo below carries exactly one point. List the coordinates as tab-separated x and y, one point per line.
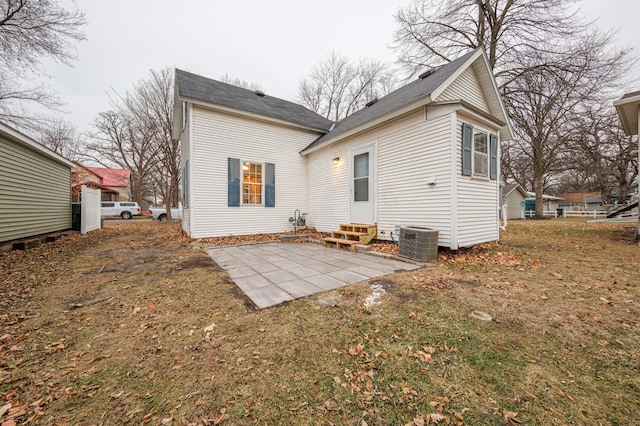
419	244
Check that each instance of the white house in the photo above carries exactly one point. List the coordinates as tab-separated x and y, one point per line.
514	196
425	155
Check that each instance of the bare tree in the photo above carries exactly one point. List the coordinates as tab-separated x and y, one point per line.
602	157
62	137
135	134
434	32
337	87
551	93
29	31
152	100
121	139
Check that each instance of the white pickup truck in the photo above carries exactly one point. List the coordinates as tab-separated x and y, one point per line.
160	213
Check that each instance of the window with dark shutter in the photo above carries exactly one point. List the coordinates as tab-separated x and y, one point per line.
493	160
233	186
269	185
185	184
467	147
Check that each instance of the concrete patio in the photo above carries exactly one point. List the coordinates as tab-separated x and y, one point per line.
274	273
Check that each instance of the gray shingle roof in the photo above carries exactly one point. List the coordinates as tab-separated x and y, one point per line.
401	97
193	86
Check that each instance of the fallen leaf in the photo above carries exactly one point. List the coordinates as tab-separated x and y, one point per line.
210	327
509	417
4	409
436	417
221	419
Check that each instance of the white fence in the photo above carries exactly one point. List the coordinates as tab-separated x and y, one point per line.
90	214
586	213
566	213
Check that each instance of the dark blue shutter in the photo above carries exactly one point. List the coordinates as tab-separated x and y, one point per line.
269	185
467	148
493	157
233	187
185	184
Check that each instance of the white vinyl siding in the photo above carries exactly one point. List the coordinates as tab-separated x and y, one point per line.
185	159
465	87
477	201
217	136
35	192
514	204
410	151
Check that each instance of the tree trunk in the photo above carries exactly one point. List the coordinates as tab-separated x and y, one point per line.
169	200
538	184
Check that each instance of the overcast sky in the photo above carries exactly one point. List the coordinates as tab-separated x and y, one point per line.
274	43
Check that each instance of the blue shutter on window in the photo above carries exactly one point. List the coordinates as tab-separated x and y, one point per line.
493	157
233	187
185	184
467	147
269	185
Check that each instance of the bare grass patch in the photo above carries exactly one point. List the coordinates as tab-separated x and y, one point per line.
166	338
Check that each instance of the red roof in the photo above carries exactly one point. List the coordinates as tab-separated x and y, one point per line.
112	177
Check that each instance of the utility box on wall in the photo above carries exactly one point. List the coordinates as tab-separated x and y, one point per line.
419	244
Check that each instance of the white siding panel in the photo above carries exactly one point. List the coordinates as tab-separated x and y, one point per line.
465	87
218	136
477	200
410	151
514	208
185	154
35	193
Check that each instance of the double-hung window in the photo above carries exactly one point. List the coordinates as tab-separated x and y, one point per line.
479	153
250	183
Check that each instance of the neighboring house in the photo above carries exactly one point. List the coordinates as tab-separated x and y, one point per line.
549	202
425	155
580	201
593	203
35	189
80	176
514	197
114	183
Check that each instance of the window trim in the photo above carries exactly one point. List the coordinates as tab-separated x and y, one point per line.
242	182
475	153
468	148
235	181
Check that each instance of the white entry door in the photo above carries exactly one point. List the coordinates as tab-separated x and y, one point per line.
362	184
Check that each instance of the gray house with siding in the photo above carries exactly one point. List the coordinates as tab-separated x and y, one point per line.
35	187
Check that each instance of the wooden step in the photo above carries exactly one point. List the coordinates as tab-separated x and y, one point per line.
355	234
352	234
341	242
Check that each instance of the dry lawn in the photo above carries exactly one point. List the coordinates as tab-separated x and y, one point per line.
135	324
